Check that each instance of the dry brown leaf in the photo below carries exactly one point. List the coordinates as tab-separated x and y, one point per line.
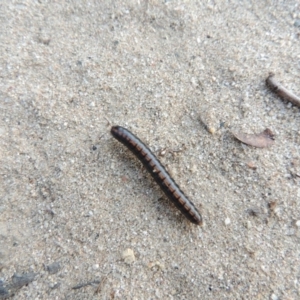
261	140
251	165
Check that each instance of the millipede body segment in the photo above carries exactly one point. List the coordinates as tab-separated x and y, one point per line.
158	172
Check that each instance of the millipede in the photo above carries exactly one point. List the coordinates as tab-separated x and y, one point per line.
158	172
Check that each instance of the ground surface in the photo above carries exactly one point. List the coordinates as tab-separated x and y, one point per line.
73	199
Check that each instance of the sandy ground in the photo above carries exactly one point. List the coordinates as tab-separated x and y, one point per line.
73	199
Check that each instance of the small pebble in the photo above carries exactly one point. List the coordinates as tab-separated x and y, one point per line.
19	280
211	129
53	268
251	165
227	221
3	292
274	297
157	264
277	211
55	285
297	23
128	256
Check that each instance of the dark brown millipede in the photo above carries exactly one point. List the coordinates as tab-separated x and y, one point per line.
158	172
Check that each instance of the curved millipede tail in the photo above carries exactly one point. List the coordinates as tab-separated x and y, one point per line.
158	172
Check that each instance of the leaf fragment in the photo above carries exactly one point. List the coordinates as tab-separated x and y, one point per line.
261	140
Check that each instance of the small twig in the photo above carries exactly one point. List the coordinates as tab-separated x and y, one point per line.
81	285
100	285
102	135
281	91
109	123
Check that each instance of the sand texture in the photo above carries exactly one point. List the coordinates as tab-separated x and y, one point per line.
80	217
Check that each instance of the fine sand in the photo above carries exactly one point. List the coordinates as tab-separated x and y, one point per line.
80	218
